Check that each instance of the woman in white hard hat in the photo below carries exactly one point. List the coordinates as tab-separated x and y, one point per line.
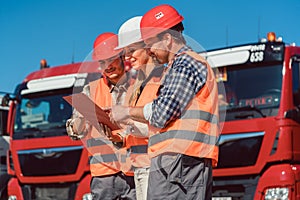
143	91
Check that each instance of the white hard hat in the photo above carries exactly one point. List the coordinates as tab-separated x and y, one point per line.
129	32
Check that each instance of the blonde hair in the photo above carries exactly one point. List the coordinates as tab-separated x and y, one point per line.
141	77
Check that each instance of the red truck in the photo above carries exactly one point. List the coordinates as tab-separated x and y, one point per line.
260	139
43	161
4	145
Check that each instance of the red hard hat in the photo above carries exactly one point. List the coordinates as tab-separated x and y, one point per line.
158	19
104	46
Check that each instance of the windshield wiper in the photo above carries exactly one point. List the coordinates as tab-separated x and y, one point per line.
32	129
58	126
245	108
31	132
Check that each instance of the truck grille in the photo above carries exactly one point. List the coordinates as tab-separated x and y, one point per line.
239	150
235	188
50	162
49	191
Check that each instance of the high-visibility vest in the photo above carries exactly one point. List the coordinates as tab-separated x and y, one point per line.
138	146
196	132
104	157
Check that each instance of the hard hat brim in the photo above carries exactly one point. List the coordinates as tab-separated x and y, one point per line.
107	55
120	47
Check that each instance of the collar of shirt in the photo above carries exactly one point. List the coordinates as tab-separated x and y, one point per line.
179	52
121	86
183	49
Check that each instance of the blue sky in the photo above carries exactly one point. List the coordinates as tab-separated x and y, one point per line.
64	30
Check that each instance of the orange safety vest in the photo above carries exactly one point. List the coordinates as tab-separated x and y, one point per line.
104	157
196	132
138	146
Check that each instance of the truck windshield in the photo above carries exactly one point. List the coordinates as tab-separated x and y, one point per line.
42	115
251	92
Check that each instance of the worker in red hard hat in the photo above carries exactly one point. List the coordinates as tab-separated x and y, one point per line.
108	181
183	119
109	59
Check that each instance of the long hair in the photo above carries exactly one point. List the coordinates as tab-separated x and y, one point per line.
141	77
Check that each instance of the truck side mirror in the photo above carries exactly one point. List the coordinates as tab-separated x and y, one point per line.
5	100
3	121
293	114
5	103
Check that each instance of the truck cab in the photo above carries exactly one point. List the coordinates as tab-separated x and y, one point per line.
43	161
259	154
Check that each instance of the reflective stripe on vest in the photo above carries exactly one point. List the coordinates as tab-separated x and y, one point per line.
185	135
196	132
103	158
95	142
139	149
199	114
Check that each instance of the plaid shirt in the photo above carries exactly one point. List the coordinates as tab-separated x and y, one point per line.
185	78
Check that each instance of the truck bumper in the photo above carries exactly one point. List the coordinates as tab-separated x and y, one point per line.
70	190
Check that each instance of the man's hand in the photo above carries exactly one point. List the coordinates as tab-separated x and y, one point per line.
77	128
79	125
120	113
111	135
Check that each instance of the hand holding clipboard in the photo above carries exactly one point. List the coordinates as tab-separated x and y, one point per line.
92	112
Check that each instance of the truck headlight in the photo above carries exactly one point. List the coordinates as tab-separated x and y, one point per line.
12	197
277	194
87	196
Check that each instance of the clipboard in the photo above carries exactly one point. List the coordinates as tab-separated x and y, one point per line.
92	112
